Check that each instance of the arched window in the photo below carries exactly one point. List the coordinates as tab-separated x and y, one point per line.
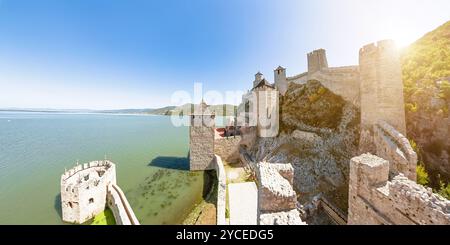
91	200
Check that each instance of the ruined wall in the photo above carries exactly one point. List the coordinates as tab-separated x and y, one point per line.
373	199
227	148
277	200
381	90
121	209
394	147
201	145
83	190
275	192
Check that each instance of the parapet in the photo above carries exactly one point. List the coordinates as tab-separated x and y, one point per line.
373	199
393	146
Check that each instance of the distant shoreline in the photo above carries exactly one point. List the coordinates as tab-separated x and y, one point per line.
163	111
80	113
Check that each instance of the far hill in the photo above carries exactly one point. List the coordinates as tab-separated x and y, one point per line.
219	110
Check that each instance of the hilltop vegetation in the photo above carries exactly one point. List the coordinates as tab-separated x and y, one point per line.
426	77
426	72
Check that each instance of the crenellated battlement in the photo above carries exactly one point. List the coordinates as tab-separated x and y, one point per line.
80	167
377	47
317	60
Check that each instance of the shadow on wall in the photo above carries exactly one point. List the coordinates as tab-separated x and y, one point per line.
57	205
209	193
177	163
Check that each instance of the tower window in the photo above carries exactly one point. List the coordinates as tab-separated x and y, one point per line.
91	200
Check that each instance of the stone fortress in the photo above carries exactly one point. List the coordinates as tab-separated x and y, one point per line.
382	187
87	189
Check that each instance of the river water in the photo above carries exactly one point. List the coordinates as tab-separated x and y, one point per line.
150	156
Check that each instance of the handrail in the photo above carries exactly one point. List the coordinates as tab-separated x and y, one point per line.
126	205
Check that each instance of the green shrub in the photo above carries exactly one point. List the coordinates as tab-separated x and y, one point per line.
422	175
444	190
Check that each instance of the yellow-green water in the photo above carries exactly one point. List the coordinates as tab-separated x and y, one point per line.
150	156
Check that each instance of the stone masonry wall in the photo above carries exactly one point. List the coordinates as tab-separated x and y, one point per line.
201	146
227	148
373	199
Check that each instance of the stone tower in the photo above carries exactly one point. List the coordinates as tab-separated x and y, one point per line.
317	60
381	90
258	78
280	80
201	145
84	189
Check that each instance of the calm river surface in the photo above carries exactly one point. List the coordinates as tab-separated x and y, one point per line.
150	156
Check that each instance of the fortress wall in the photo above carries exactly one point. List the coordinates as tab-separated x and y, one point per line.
121	209
343	82
299	79
373	199
227	148
394	147
221	191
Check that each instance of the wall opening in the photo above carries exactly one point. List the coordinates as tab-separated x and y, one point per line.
91	200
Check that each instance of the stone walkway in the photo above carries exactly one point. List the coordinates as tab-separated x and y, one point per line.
243	203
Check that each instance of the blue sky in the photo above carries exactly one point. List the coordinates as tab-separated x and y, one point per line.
105	54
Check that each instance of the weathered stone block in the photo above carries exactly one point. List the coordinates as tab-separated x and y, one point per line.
275	192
